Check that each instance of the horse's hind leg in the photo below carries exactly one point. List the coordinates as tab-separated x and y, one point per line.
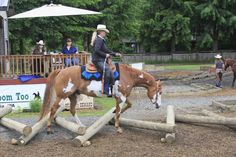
73	109
52	114
234	80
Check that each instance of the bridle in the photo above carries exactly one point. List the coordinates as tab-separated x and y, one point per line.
158	93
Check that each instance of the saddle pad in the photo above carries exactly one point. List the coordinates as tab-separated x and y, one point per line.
98	75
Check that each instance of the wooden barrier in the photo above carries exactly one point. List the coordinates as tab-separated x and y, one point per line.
5	110
170	120
187	118
147	125
219	105
17	126
23	140
94	128
70	125
11	124
211	114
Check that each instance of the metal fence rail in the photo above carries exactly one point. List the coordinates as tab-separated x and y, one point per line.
12	66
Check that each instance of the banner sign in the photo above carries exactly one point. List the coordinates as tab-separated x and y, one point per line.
19	96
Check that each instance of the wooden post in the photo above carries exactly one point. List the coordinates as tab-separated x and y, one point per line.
147	125
170	120
70	125
23	140
14	125
186	118
94	128
5	110
211	114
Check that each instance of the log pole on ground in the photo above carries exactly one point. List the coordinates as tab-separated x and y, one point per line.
17	126
219	105
147	125
70	125
95	127
187	118
5	110
11	124
212	114
23	140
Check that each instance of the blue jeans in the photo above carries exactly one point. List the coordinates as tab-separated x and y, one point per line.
109	78
71	61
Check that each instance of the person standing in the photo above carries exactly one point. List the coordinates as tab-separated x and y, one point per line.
100	53
219	65
40	50
69	49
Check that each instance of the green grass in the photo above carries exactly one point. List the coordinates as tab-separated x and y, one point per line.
180	62
105	103
185	67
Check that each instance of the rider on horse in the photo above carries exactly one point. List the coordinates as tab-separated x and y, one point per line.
100	55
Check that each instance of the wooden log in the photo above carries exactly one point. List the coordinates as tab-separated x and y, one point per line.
147	125
95	127
17	126
70	125
212	114
5	110
205	120
170	120
219	105
23	140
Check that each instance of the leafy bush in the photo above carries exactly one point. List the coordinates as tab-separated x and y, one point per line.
35	105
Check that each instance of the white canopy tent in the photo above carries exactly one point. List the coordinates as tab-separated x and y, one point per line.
53	10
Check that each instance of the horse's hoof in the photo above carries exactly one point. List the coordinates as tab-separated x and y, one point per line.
119	130
50	132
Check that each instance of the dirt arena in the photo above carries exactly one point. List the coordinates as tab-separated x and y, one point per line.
191	140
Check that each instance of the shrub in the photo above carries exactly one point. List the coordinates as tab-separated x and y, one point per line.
35	105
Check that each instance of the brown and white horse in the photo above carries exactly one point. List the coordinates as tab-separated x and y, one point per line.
231	63
67	83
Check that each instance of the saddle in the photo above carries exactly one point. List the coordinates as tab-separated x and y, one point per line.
91	68
90	72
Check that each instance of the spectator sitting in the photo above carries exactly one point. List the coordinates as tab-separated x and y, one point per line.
69	49
38	66
40	48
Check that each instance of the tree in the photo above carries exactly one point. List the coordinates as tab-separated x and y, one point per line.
218	19
120	17
169	22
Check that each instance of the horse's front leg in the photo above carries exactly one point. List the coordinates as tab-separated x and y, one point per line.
73	102
119	104
129	104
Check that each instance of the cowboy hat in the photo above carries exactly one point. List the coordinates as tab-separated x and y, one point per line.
218	56
40	42
101	27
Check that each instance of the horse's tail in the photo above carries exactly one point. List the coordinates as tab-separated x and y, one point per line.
49	94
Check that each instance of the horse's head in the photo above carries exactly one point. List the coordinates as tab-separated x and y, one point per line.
154	93
226	63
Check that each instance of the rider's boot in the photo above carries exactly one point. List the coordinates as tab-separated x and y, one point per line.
107	90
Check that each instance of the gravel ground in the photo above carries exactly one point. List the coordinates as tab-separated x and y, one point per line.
191	140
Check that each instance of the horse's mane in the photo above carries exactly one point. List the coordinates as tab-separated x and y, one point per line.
137	72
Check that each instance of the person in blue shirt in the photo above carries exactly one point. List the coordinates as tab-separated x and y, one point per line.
69	49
